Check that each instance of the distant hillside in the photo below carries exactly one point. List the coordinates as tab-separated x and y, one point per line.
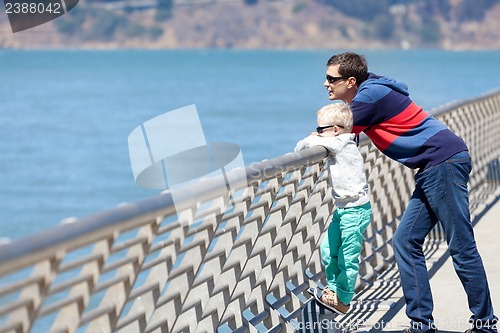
290	24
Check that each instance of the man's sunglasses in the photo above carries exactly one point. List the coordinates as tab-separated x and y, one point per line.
320	129
333	79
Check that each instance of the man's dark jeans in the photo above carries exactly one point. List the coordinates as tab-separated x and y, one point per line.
441	195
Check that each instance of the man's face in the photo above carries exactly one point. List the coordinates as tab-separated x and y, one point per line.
337	84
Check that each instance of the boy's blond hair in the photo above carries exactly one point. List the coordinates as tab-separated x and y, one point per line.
335	114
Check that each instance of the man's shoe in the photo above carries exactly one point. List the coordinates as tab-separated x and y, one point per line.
410	330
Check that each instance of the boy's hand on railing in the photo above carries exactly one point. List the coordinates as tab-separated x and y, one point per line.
305	143
311	141
332	144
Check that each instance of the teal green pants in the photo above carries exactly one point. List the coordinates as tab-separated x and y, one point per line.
341	247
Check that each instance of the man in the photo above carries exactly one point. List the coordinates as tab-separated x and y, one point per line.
404	132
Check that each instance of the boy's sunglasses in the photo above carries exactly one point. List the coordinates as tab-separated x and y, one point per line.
320	129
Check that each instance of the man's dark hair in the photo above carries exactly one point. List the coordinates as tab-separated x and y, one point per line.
351	64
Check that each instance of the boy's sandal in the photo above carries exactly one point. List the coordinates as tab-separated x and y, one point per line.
327	299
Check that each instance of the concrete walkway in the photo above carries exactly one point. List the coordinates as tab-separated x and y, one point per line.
451	311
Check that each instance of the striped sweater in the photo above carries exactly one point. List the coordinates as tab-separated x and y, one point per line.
398	127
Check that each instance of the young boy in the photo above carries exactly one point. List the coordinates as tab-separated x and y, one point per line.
341	247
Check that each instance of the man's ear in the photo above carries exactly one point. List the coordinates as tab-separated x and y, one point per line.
351	82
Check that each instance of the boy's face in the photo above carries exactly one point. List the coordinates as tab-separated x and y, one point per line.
330	131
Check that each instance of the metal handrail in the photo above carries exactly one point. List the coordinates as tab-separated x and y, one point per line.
29	250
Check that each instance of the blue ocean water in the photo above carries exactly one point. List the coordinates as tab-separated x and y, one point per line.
66	115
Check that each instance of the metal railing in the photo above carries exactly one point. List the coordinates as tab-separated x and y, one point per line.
219	260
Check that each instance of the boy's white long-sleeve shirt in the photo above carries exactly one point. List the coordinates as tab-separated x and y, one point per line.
346	171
